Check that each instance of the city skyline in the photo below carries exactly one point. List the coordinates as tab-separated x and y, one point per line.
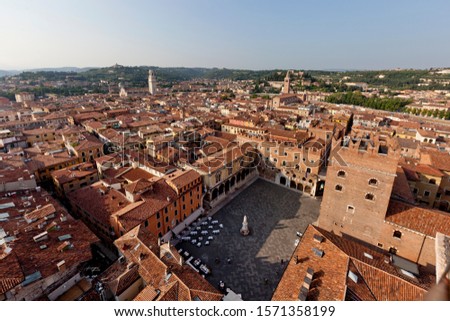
248	35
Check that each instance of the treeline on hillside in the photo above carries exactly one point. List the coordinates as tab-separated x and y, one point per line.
392	79
137	76
356	98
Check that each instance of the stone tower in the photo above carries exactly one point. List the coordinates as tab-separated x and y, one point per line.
151	82
287	84
358	187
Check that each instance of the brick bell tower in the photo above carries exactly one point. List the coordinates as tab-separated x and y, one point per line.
287	84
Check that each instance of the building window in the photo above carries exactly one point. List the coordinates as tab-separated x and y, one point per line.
432	181
165	210
350	209
370	197
415	190
341	174
392	250
167	219
158	225
146	223
176	212
184	207
426	193
338	188
380	245
373	182
157	216
217	177
397	234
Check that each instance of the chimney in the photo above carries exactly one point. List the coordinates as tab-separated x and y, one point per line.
61	265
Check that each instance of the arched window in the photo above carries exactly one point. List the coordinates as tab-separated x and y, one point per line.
432	181
338	188
341	174
370	196
397	234
373	182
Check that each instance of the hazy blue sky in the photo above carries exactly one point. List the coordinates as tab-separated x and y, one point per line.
314	34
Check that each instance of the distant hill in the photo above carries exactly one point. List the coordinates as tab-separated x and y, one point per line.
9	72
325	80
61	69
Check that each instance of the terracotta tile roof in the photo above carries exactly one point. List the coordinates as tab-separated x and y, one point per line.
136	174
227	136
388	287
10	273
426	133
357	290
147	294
99	201
138	186
90	142
27	249
69	174
377	278
38	131
222	142
154	200
42	161
422	220
330	286
436	159
115	173
427	170
181	178
212	148
173	281
120	276
39	213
